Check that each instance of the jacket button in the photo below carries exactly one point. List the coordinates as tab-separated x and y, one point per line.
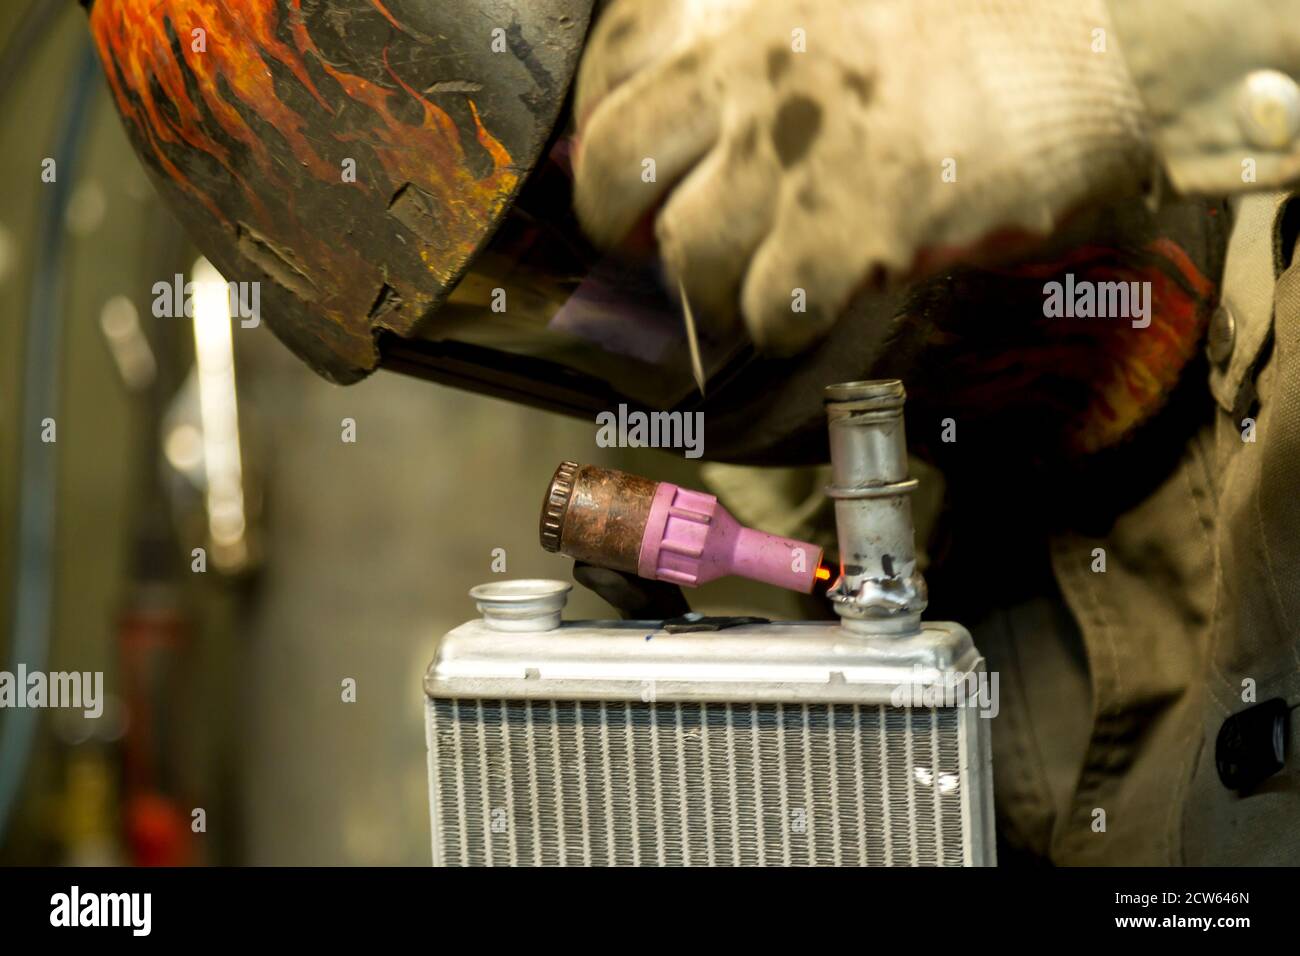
1222	335
1268	109
1251	745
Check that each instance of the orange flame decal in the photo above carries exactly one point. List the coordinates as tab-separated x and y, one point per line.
211	75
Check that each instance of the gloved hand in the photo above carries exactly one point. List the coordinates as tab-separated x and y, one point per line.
635	598
886	139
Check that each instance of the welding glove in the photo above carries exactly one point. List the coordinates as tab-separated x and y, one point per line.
634	597
793	152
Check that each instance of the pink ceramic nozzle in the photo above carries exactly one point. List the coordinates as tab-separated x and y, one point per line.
690	539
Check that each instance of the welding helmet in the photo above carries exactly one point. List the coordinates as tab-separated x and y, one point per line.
395	176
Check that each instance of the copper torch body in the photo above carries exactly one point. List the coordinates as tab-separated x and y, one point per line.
597	515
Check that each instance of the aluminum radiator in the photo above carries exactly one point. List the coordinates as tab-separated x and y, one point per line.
615	744
555	783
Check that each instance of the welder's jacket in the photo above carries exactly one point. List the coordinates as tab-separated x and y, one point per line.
1197	614
1195	618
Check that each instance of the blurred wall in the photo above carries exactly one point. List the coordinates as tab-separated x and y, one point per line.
114	239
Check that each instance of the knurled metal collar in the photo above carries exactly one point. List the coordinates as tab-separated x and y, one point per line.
884	394
556	504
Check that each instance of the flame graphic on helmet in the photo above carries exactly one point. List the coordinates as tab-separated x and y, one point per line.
139	41
213	76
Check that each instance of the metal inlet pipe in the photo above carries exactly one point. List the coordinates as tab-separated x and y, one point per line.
879	588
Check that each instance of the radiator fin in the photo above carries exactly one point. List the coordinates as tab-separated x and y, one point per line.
608	783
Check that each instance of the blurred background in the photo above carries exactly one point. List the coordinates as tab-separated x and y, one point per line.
128	442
